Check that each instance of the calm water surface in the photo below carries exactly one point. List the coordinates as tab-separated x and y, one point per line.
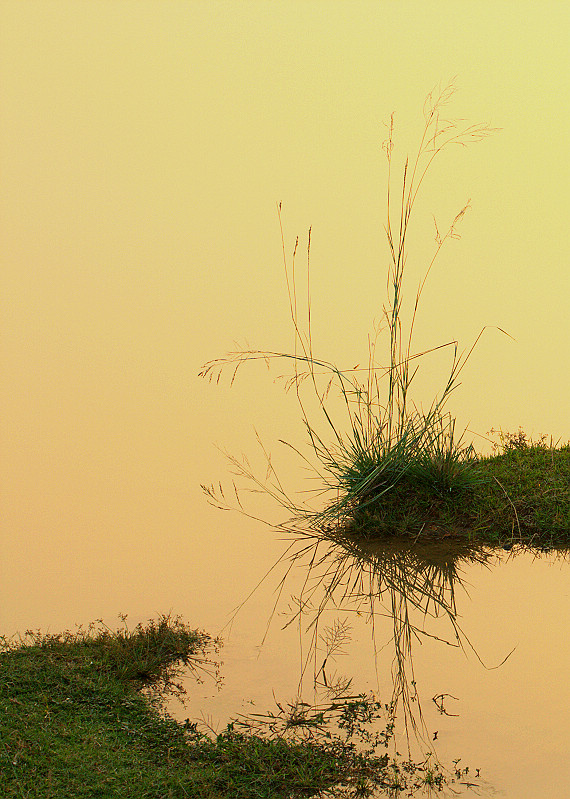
508	718
175	553
96	528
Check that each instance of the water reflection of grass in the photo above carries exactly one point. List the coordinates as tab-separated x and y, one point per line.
73	724
409	583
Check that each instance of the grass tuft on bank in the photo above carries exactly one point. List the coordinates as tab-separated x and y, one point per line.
518	496
74	722
387	462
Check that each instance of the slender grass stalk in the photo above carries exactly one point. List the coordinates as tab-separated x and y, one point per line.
380	438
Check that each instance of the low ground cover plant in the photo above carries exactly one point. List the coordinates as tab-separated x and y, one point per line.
74	723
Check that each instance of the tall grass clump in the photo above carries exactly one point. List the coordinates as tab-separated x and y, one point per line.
378	438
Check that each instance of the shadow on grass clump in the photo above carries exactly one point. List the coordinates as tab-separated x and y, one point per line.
408	509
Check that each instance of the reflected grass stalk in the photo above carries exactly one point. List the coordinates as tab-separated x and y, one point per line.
404	583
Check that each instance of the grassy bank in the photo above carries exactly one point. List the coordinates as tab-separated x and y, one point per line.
75	723
521	495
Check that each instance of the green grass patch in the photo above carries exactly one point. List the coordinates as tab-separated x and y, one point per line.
74	722
520	496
